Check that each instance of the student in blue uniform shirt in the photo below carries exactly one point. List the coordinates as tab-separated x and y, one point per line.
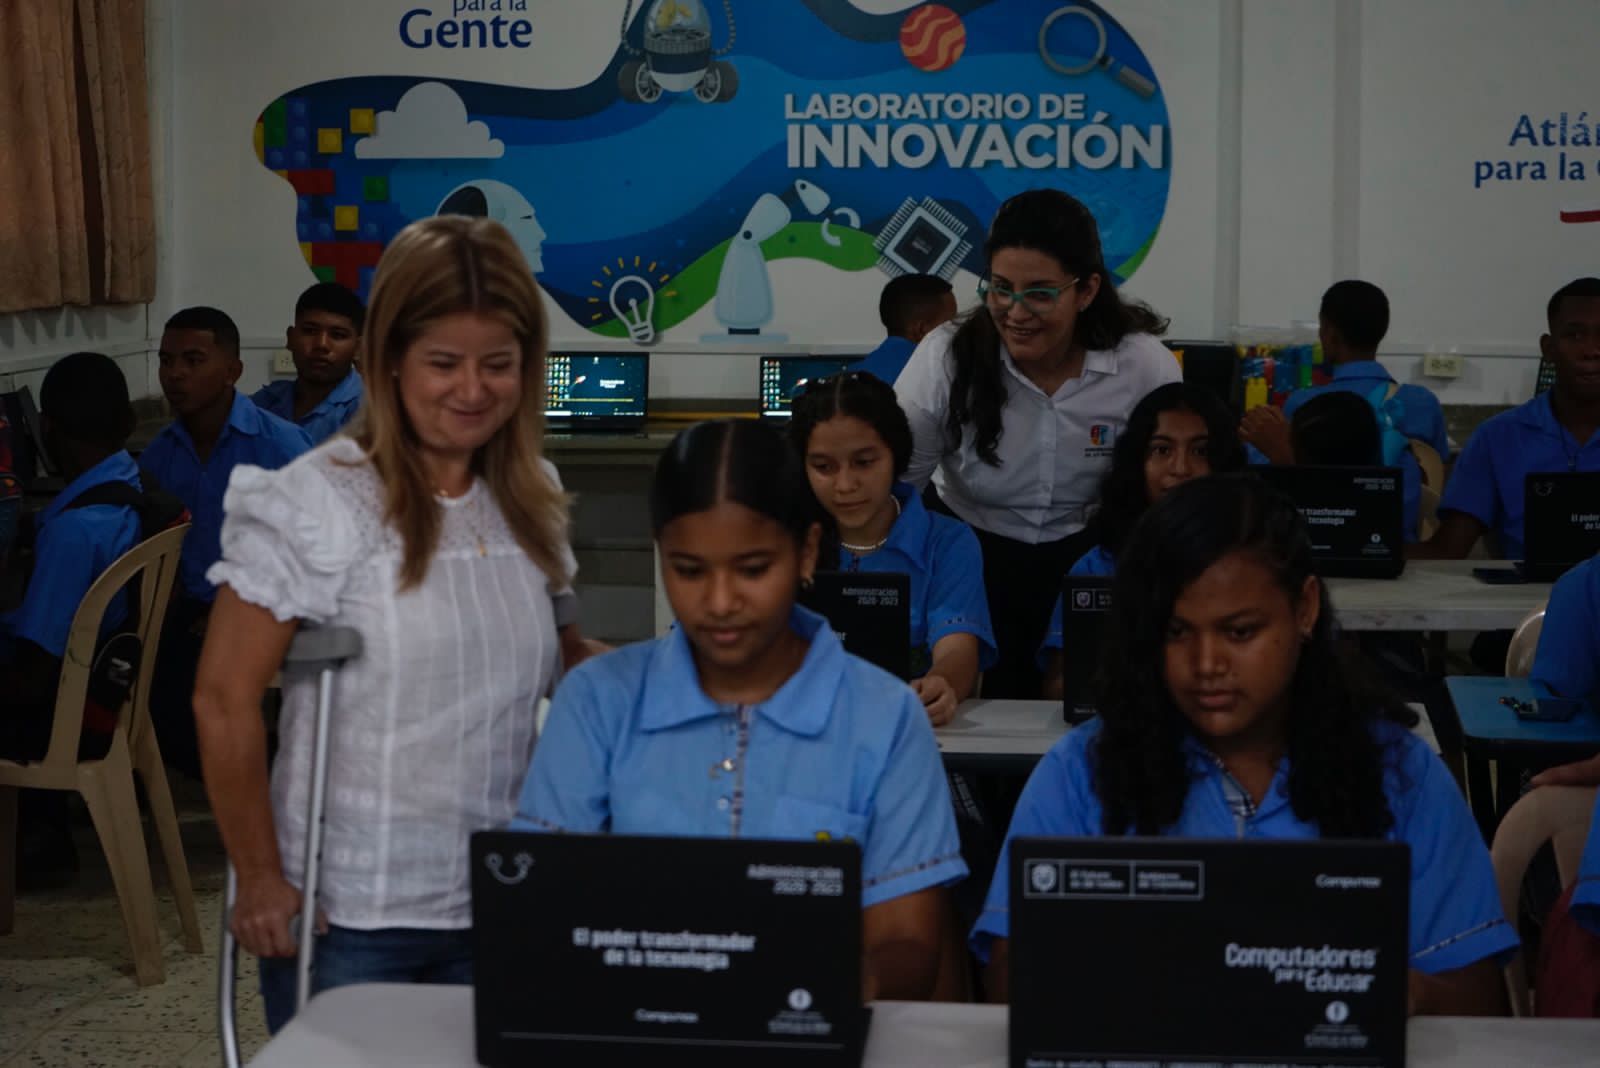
855	443
749	719
1556	431
1351	323
910	306
1176	433
217	428
326	391
1227	712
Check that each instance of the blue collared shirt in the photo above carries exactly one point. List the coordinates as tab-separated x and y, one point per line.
251	436
1586	892
942	556
74	547
887	360
1423	418
1487	482
842	751
1456	918
1096	563
1568	658
321	422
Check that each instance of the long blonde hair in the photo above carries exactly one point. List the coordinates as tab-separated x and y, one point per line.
434	268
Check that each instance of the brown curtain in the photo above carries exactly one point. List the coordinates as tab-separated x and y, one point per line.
76	212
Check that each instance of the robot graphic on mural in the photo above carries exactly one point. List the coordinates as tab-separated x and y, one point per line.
505	205
677	55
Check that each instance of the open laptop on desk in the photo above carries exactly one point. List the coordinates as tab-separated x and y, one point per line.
1290	953
1085	601
871	613
783	377
597	392
1560	522
1355	516
31	461
602	949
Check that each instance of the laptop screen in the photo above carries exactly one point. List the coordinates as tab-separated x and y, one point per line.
1561	521
29	457
782	377
1308	938
1355	516
871	613
609	949
596	389
1084	603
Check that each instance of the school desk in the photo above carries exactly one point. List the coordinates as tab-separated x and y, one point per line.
1435	595
395	1026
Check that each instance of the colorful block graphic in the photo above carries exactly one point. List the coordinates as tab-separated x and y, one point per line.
346	217
325	274
312	183
305	250
362	120
258	137
375	188
330	140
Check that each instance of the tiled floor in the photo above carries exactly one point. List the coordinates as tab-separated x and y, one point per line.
67	995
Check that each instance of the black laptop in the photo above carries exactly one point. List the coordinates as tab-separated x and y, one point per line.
603	949
870	612
1085	601
31	461
1355	516
597	392
1560	522
1166	952
1214	367
783	377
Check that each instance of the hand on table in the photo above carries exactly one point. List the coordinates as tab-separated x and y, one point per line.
938	699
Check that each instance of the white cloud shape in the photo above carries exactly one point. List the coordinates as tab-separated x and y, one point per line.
429	122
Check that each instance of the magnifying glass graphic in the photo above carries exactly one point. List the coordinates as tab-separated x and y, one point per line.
1098	58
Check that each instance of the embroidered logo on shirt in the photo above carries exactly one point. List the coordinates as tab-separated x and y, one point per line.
1102	434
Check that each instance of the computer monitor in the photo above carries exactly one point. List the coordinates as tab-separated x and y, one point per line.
1546	377
597	391
783	377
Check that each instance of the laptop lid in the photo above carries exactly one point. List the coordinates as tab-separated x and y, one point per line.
1355	516
30	460
1085	601
1560	521
870	612
1133	950
782	377
606	949
599	392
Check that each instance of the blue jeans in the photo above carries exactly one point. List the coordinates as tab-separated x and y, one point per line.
344	956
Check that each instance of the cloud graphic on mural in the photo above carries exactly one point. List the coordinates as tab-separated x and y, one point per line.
429	122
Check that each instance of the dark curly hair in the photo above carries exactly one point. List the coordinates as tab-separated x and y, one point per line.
1140	774
857	395
1123	494
1048	221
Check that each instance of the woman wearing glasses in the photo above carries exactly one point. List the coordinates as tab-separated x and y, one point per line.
1014	410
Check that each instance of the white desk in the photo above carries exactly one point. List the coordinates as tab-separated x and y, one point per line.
392	1026
1438	595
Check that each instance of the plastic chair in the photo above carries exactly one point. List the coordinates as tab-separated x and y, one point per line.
107	784
1524	644
1432	466
1559	815
1427	512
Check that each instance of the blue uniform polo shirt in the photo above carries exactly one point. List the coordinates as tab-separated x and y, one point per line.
887	360
841	751
1096	563
1422	417
1586	892
74	547
321	422
1487	482
1455	918
942	556
1568	658
251	436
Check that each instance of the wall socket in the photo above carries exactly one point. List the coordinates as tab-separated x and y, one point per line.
1442	365
283	362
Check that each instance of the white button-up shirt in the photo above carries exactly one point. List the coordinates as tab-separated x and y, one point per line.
1053	450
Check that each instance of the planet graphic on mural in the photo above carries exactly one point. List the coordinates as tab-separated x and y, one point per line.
933	38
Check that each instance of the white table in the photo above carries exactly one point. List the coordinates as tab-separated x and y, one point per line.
1436	595
393	1026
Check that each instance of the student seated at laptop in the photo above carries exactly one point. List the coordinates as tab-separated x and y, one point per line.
1177	432
910	306
324	339
215	430
855	442
1556	431
1227	712
748	719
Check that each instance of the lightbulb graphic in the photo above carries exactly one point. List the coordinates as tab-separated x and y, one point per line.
633	299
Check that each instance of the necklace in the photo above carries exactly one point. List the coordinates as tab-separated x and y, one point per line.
862	550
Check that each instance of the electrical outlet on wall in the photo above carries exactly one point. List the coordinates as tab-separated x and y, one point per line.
283	362
1442	365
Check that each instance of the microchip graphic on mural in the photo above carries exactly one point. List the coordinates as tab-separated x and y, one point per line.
725	171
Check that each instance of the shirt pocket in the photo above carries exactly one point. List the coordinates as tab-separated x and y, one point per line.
815	821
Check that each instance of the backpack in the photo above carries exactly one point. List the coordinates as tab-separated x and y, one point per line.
1390	412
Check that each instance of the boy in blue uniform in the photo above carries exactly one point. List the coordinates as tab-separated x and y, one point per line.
910	306
749	719
217	428
324	339
1226	711
1556	431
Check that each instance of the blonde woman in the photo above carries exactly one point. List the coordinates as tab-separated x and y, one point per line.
440	534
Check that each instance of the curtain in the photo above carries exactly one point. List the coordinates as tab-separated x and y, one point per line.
76	209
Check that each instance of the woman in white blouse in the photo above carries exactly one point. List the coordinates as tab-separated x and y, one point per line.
440	534
1014	410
